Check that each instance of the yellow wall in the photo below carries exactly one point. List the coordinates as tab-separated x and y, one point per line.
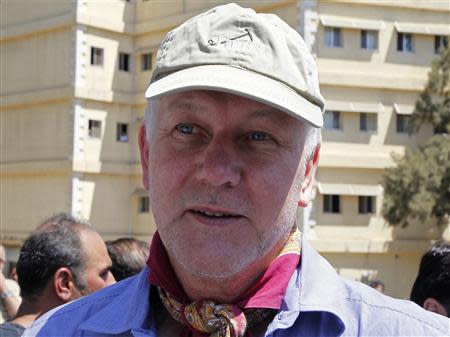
37	132
20	12
45	65
100	192
29	199
396	270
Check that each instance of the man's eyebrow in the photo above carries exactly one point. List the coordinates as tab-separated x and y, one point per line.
184	104
271	115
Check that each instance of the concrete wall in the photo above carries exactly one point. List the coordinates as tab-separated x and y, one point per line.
19	13
396	270
40	62
28	199
37	132
110	202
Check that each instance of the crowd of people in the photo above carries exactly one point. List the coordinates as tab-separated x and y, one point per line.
229	150
63	259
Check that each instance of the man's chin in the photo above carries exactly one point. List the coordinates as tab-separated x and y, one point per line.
217	267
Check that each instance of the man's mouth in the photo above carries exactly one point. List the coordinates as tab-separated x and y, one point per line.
214	215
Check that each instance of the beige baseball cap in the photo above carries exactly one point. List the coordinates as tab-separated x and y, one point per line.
235	50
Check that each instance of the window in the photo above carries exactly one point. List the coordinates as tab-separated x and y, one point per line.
122	132
440	43
95	128
144	205
331	203
146	61
367	122
369	39
96	56
402	123
366	205
333	37
332	120
405	42
124	61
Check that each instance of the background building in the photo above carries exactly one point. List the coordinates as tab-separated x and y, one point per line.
73	74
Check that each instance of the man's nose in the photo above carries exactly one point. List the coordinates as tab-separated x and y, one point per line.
219	165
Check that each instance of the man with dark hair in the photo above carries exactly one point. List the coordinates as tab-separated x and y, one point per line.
377	285
128	256
431	290
62	260
9	292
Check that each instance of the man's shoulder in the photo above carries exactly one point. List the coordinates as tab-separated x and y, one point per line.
356	309
10	329
67	319
378	314
70	316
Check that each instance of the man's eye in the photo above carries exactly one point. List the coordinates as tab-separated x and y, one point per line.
185	128
104	274
260	136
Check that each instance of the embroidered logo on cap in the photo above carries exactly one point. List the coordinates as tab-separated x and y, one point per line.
222	39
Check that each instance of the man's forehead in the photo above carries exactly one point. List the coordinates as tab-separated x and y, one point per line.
198	100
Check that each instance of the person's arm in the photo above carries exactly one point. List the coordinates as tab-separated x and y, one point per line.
9	296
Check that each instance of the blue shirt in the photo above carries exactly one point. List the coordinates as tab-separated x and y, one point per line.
318	302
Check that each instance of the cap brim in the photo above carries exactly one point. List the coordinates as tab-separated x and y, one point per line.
240	82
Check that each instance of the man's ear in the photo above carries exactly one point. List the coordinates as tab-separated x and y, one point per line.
310	173
433	305
143	147
64	285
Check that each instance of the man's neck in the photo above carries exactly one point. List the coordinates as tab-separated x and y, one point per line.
29	310
27	313
223	290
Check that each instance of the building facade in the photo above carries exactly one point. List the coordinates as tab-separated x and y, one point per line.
73	74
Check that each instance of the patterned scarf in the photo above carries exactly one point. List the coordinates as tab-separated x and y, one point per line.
208	319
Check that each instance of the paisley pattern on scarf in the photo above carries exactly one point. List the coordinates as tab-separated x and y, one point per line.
214	320
209	319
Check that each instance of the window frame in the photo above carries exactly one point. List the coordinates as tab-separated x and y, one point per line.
440	43
119	134
366	204
92	133
365	34
97	56
124	62
332	203
364	117
146	61
144	204
333	37
402	123
402	45
336	120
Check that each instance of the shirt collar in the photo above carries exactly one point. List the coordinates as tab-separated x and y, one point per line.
314	287
321	288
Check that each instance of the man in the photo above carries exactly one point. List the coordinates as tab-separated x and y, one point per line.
378	285
62	260
229	150
128	256
9	292
431	289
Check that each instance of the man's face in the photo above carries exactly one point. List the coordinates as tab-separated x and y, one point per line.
225	176
97	273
